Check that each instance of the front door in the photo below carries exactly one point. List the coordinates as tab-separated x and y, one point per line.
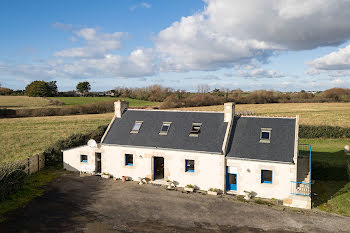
231	180
98	163
158	168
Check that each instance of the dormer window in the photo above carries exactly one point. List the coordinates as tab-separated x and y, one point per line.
165	128
195	129
265	135
136	127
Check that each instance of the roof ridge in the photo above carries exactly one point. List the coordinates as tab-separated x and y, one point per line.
256	116
168	110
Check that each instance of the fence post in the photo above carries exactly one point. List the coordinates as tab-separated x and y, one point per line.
38	162
28	164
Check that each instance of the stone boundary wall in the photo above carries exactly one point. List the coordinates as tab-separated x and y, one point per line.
33	163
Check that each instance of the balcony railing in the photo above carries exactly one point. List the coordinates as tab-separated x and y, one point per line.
300	188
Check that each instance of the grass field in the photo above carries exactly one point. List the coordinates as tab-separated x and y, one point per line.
335	114
22	137
71	101
20	102
16	102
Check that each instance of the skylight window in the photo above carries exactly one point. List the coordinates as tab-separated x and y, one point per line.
195	130
136	127
265	135
165	128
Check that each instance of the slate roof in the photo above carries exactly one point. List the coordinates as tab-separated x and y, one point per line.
210	138
245	136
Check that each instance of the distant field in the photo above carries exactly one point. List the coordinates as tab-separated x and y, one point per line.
22	137
335	114
71	101
20	102
16	102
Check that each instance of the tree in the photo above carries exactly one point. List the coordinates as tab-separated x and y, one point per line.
83	87
41	88
52	88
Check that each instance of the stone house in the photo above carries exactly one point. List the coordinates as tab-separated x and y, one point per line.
236	154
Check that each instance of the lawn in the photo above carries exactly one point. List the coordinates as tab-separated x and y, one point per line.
22	137
71	101
16	102
330	195
335	114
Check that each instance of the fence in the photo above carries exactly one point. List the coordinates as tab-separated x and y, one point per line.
33	163
300	188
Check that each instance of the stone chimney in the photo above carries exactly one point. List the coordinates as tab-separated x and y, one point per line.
229	111
119	107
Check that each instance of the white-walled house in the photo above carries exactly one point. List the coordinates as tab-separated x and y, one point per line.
205	149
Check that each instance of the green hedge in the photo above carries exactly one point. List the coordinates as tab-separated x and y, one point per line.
309	131
11	178
54	155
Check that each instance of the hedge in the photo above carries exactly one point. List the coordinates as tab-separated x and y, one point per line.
11	178
309	131
53	154
93	108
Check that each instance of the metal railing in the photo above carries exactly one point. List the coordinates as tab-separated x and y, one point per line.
300	188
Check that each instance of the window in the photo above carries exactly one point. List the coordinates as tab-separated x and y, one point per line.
265	135
129	159
195	130
165	128
136	127
83	158
189	165
266	176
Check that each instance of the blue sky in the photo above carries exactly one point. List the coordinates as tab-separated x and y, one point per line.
181	44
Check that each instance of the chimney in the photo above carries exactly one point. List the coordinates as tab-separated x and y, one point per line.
229	111
119	107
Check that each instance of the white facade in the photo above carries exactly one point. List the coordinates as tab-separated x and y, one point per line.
209	172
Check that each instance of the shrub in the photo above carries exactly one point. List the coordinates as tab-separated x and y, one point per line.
310	131
189	186
11	178
54	155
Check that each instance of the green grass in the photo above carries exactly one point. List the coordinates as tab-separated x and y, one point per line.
18	102
331	195
72	101
23	137
32	188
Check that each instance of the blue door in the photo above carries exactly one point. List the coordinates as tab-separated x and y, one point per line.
231	181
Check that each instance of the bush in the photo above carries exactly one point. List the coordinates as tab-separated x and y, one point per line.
54	155
11	178
309	131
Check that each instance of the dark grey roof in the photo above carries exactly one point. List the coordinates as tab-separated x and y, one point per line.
245	137
210	138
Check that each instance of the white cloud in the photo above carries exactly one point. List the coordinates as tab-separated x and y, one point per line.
140	62
260	73
230	32
336	64
141	5
97	44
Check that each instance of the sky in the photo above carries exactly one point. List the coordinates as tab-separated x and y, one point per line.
284	45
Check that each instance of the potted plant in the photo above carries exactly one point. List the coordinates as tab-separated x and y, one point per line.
248	195
106	176
213	191
124	178
189	188
171	185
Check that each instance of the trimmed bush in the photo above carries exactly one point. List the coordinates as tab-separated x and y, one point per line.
309	131
11	178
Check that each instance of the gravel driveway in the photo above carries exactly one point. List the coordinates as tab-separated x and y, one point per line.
91	204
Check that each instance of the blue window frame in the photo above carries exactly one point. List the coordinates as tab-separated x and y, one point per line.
129	160
266	176
83	158
189	165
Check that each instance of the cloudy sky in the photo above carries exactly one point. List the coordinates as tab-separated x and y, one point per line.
284	45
